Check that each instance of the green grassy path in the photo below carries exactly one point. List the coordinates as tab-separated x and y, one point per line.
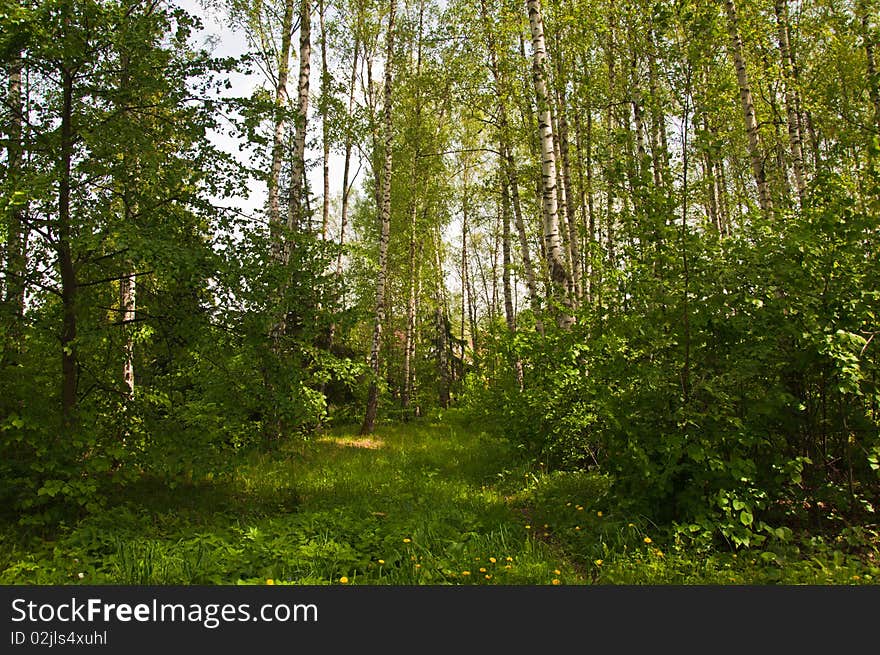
428	502
418	503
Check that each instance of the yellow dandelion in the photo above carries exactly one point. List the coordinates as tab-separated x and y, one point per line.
630	525
406	540
413	558
599	514
568	504
598	562
482	570
509	558
465	572
381	561
577	527
508	567
546	526
546	534
418	566
528	527
659	552
555	581
857	577
647	540
557	572
488	577
270	581
579	508
493	560
343	580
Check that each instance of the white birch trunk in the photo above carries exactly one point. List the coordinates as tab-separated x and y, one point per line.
297	175
748	107
385	217
559	275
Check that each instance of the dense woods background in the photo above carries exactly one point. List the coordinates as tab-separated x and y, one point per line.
634	237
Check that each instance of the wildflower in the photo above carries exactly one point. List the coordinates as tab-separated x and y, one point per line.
80	575
268	581
509	558
381	561
508	567
488	577
528	527
555	581
418	566
343	580
659	552
579	508
557	572
598	562
647	540
568	504
546	526
406	540
599	514
630	525
493	560
482	570
577	527
465	572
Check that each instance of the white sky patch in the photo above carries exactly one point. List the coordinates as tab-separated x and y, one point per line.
224	39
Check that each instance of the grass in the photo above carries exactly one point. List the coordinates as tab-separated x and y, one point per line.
428	502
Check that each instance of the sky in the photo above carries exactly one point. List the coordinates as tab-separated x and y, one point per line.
228	41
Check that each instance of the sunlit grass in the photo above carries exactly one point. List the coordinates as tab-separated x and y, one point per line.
423	503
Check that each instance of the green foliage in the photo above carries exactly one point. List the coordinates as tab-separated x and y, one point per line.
434	502
760	414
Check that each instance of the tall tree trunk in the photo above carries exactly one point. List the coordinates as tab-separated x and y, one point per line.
611	159
346	166
584	150
67	269
385	217
559	275
16	246
748	107
325	125
295	214
686	317
659	146
465	287
792	120
574	250
278	133
441	317
409	340
127	308
712	200
509	312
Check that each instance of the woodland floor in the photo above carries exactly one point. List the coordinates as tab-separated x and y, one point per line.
428	502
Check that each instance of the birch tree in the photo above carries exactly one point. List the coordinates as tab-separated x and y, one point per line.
559	274
385	231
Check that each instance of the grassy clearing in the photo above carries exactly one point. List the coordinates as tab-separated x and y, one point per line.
430	502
